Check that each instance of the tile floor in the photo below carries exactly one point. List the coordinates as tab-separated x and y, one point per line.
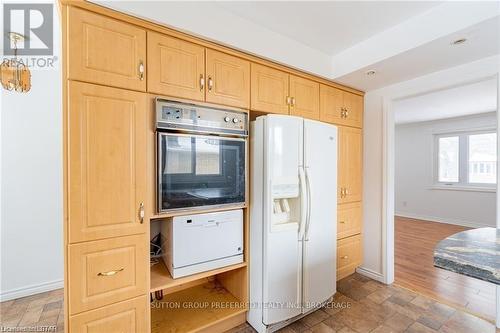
360	306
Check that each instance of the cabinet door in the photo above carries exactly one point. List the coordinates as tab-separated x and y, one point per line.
106	51
305	98
106	162
331	105
228	79
176	68
269	90
128	316
349	218
348	256
350	164
354	109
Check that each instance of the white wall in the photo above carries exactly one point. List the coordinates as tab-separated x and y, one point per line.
31	185
414	195
374	137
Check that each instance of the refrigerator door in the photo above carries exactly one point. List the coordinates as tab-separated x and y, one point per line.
320	240
282	255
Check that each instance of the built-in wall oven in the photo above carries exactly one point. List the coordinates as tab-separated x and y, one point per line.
201	156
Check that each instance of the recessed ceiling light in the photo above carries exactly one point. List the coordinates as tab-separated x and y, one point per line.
459	41
371	72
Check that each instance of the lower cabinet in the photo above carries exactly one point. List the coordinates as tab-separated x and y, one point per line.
130	316
348	255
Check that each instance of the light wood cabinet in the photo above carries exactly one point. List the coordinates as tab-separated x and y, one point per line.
348	255
129	316
106	162
340	107
350	164
304	98
105	51
349	218
176	67
106	271
269	90
228	79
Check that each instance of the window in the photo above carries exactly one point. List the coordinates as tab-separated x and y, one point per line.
467	159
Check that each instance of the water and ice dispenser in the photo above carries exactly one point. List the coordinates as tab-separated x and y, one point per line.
286	206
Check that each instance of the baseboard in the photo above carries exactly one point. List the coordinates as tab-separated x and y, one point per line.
462	223
30	290
371	274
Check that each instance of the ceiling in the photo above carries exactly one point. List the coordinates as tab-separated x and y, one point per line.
470	99
328	26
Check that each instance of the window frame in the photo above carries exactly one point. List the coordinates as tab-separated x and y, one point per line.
463	158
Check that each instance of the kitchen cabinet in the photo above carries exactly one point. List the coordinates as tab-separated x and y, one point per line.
348	256
106	161
105	51
176	68
269	90
349	219
304	96
350	156
228	79
340	107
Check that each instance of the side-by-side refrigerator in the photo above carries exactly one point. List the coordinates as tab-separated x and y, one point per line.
293	219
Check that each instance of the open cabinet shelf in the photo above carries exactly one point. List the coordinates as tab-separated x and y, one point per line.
162	280
198	308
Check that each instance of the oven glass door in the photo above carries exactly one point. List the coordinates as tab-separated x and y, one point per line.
197	170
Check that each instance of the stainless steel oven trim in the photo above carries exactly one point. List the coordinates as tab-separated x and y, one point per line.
158	168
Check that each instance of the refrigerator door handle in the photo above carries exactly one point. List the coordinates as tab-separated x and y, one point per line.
303	202
308	216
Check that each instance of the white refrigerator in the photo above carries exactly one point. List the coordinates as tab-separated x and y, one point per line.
293	219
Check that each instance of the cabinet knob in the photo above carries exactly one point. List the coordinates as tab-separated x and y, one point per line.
141	71
202	82
345	257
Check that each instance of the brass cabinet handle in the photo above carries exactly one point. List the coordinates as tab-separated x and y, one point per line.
210	84
342	192
110	273
342	112
345	257
141	212
141	71
342	222
202	82
293	101
288	100
346	113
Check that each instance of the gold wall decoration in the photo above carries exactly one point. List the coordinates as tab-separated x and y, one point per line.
14	74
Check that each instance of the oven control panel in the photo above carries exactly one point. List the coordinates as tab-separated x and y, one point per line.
176	115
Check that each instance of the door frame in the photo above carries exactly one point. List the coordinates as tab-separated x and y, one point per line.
388	176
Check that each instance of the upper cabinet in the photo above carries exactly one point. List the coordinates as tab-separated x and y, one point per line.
227	79
304	98
176	68
340	107
106	51
106	162
350	168
269	90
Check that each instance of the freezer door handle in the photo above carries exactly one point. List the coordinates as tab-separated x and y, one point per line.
308	216
303	202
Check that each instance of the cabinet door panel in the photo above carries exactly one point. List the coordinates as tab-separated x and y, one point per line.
331	104
176	67
106	271
350	164
269	90
349	219
348	255
228	79
354	109
306	98
103	50
107	162
129	316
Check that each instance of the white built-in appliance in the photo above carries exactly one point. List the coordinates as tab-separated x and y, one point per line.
202	242
201	156
293	219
